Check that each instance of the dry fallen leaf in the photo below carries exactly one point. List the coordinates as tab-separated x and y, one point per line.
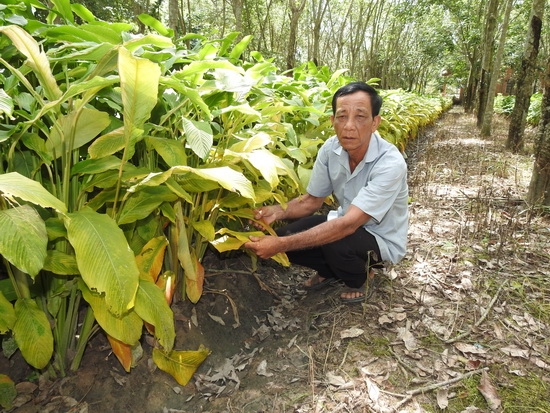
442	398
262	369
351	333
489	392
469	348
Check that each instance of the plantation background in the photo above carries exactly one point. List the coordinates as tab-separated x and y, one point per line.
134	149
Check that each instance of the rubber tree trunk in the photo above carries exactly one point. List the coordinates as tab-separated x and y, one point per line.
525	79
539	188
487	120
487	58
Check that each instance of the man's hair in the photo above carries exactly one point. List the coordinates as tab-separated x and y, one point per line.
375	98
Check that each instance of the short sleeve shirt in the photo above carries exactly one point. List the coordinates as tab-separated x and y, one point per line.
377	186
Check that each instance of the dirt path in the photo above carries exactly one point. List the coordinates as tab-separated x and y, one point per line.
462	322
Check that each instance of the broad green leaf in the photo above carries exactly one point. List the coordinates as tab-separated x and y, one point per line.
139	80
199	137
7	392
23	238
143	203
150	40
7	288
36	59
91	33
202	66
155	24
224	176
105	260
258	141
76	129
152	307
240	47
7	321
82	12
61	263
107	144
6	104
14	184
96	166
205	228
193	95
126	328
171	150
63	7
180	364
33	333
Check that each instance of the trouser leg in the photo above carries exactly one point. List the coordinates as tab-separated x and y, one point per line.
348	259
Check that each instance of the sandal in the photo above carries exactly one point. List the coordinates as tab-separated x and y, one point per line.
318	285
365	293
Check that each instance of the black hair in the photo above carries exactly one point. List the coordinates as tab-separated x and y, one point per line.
375	98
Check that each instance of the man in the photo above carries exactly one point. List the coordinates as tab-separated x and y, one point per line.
368	177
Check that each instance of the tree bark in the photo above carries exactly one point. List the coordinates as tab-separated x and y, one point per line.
487	120
539	188
487	69
318	11
525	78
295	13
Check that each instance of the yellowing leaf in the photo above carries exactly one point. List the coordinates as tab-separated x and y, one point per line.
166	282
180	364
8	315
194	281
33	333
7	391
151	257
123	352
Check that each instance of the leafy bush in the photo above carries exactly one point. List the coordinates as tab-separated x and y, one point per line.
504	105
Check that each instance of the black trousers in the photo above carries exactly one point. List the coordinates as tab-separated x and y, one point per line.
348	259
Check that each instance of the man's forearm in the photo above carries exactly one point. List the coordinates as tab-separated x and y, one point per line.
301	206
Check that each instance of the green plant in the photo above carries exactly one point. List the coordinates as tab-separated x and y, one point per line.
123	157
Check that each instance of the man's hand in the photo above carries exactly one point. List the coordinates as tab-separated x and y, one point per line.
266	214
264	247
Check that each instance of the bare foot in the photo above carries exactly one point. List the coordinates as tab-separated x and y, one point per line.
352	293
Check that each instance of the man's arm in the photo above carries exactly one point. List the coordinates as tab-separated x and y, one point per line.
299	207
333	230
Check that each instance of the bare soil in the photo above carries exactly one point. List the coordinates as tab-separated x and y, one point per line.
460	325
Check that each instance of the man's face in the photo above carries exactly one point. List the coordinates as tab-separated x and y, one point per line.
353	122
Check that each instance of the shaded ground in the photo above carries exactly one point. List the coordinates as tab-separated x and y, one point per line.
462	323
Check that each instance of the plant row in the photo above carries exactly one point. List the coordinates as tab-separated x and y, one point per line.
124	157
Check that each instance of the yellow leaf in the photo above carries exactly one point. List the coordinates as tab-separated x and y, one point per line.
180	364
166	282
194	281
151	257
123	352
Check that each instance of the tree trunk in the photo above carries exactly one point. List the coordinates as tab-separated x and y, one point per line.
318	13
487	69
237	6
525	78
295	13
487	120
471	86
539	188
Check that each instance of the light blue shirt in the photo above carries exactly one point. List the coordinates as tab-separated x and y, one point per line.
377	186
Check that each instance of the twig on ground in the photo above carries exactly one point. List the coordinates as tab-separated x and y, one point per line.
434	386
480	321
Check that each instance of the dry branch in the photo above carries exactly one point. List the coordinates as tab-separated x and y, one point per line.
480	321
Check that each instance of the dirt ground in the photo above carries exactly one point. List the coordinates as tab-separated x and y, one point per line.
460	325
